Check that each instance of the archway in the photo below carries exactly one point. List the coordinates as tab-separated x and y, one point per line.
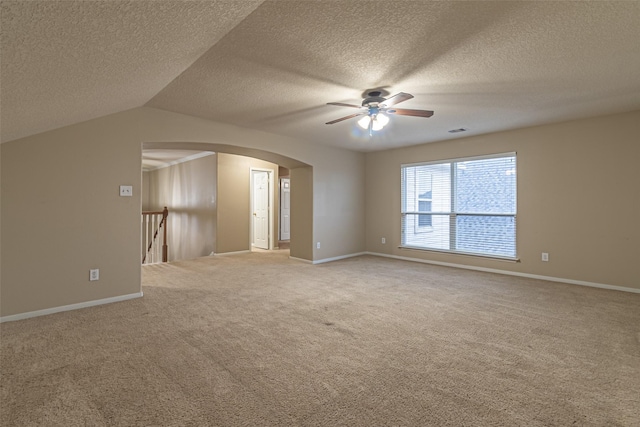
301	176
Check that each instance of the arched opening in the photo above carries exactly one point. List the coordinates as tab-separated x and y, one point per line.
232	230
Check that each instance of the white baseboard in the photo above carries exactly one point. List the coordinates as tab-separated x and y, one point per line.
322	261
511	273
300	259
337	258
232	253
69	307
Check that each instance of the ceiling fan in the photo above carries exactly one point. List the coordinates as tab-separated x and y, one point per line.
374	107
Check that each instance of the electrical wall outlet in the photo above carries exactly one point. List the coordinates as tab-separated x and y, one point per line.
384	240
545	256
318	245
94	274
126	190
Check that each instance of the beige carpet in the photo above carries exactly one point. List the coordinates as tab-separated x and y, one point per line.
261	340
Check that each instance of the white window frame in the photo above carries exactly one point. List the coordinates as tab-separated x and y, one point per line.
423	228
453	214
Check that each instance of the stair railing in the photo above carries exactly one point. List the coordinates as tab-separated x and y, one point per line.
152	239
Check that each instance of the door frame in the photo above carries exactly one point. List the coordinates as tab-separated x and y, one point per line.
270	178
280	201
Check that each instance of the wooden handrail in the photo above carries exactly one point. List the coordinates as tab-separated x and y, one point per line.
154	212
165	251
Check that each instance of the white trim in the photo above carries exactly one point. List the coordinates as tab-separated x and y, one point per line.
301	260
270	211
337	258
511	273
69	307
466	254
232	253
462	159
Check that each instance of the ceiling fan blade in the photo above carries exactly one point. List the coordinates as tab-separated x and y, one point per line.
345	118
396	99
406	112
340	104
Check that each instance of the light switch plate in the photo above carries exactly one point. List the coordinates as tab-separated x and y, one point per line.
126	190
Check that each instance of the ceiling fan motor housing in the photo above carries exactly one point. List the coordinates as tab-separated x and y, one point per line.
373	101
374	104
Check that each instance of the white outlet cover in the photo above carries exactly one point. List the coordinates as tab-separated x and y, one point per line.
126	190
94	274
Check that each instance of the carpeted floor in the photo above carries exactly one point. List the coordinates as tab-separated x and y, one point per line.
260	340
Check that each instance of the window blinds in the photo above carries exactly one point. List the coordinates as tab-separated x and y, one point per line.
463	206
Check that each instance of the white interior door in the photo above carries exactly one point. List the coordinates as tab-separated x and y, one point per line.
260	205
285	209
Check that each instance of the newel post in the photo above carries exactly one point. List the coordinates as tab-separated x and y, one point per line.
165	214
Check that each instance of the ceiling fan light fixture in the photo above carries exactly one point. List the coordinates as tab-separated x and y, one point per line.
372	108
364	122
382	119
377	122
377	125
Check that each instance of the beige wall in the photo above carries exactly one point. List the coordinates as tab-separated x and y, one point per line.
338	175
188	189
301	209
62	215
145	191
234	216
0	226
578	198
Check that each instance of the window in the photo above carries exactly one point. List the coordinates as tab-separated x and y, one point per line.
463	206
424	193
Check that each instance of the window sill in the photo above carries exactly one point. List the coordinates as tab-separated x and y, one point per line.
423	230
464	254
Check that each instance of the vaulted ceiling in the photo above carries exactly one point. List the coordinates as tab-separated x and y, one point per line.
273	65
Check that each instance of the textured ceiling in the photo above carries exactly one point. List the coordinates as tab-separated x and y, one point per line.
273	65
64	62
